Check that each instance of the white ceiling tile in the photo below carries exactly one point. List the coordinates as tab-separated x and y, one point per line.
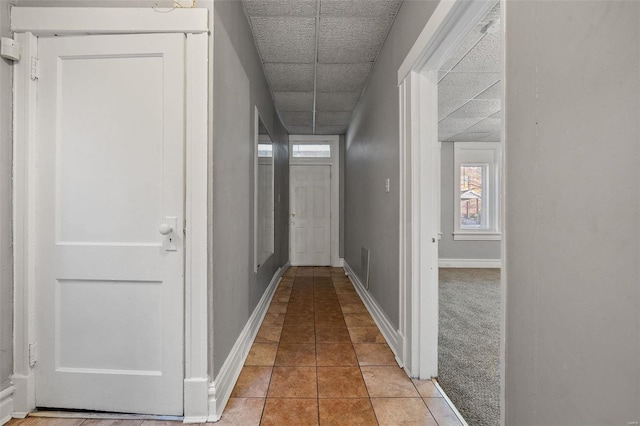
331	130
442	137
455	125
493	92
477	108
494	137
363	8
447	105
290	77
333	118
300	130
299	118
468	137
293	101
462	49
337	101
466	85
281	7
342	77
285	39
488	125
348	40
484	57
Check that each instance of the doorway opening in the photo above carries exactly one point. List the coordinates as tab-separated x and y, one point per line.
314	181
451	192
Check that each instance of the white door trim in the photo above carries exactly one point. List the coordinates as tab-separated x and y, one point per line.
196	379
420	183
107	20
334	162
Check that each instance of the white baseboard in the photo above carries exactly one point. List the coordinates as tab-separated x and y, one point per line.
221	387
390	334
24	397
340	263
469	263
196	401
6	405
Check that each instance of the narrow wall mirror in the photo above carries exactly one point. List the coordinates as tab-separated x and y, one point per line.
263	214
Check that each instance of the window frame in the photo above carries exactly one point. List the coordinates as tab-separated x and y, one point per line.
478	154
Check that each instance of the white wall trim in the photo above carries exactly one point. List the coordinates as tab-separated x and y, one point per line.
469	263
6	405
107	20
334	162
221	387
389	332
93	21
340	263
196	214
24	110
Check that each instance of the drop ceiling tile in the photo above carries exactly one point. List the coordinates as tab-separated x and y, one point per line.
300	130
466	85
290	77
281	7
362	8
285	39
333	118
477	108
492	15
349	40
462	49
493	92
455	125
331	130
293	101
337	101
342	77
446	106
442	137
297	118
494	137
468	137
484	57
488	125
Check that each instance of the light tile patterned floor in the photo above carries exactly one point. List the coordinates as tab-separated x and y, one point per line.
318	359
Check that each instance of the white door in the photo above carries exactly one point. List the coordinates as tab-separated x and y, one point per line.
310	215
109	161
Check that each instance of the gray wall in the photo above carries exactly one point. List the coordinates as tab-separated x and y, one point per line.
239	84
371	214
6	259
447	247
573	235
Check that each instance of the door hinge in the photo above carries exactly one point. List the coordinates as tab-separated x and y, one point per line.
35	71
32	354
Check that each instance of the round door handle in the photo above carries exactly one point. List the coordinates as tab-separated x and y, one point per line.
165	229
293	214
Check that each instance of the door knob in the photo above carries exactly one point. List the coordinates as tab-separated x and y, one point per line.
293	214
165	229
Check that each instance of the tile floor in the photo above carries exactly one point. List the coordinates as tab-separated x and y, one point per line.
318	359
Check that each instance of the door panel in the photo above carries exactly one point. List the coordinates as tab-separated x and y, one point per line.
110	155
311	215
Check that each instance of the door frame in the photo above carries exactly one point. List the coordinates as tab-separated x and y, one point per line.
334	162
28	24
420	185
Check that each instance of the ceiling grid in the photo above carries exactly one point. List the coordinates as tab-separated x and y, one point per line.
317	55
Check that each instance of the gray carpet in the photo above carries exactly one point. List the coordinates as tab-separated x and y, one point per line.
469	342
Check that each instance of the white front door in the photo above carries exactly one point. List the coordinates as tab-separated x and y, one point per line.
109	185
310	215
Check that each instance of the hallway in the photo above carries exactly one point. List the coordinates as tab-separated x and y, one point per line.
320	359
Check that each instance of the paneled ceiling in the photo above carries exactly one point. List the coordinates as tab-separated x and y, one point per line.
317	55
469	89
